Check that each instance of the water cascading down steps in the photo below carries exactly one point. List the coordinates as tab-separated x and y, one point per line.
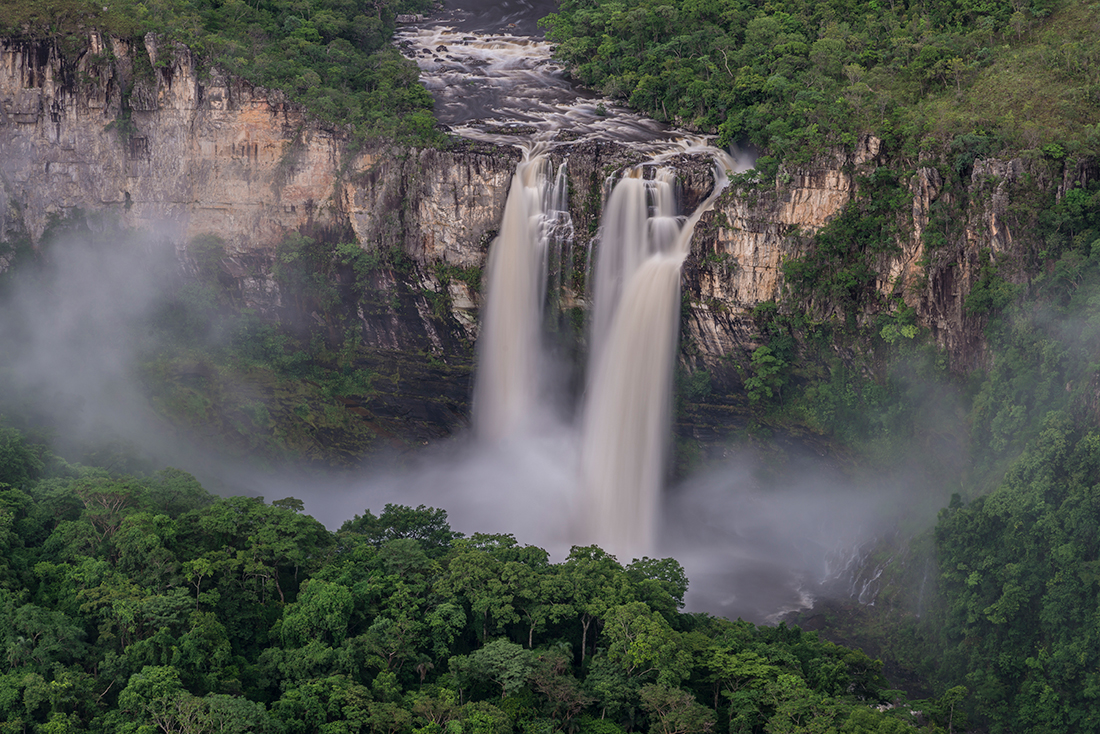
508	383
624	425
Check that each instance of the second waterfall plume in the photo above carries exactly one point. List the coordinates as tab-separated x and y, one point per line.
624	441
508	386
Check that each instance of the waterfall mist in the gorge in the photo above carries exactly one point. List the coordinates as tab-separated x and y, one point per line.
73	326
568	445
75	334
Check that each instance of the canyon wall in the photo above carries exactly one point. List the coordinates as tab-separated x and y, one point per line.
138	130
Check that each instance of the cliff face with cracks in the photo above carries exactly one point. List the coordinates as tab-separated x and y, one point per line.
137	130
739	249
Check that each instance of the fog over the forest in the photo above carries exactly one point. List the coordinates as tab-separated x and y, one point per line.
756	533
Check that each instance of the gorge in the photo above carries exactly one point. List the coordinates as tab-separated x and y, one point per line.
844	381
220	156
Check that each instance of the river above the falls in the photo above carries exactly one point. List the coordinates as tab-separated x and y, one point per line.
493	78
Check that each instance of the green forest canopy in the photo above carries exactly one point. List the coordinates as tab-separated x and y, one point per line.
795	76
142	603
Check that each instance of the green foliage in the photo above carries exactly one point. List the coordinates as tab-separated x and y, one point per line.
330	56
426	525
969	147
20	461
768	375
991	292
837	272
694	386
1019	580
15	253
794	77
138	604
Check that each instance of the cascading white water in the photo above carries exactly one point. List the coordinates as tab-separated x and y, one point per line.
633	344
557	232
627	412
636	296
508	383
638	221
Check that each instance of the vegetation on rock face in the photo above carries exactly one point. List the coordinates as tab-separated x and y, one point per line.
333	57
1012	616
294	384
142	603
794	77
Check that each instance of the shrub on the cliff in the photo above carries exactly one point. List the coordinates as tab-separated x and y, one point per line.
332	57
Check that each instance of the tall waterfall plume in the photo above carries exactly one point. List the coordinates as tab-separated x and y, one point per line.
536	219
634	335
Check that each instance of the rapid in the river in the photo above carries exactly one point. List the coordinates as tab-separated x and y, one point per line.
493	77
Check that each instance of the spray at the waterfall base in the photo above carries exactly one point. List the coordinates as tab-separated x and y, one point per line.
756	541
752	547
761	543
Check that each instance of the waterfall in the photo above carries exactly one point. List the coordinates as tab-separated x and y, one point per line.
508	383
632	350
626	413
631	230
632	343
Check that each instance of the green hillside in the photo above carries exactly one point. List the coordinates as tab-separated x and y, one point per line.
795	76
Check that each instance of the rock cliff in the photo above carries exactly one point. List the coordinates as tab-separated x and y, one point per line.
140	131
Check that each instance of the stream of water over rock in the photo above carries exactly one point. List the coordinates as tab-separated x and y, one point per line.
493	83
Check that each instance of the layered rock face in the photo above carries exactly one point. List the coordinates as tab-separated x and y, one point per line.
739	250
139	131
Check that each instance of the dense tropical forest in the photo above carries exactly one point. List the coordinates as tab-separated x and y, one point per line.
142	604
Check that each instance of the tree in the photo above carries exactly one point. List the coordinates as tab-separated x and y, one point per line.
142	546
540	594
551	678
395	633
642	642
660	583
321	612
477	576
174	492
767	377
20	461
106	502
594	580
426	525
500	661
675	711
157	695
